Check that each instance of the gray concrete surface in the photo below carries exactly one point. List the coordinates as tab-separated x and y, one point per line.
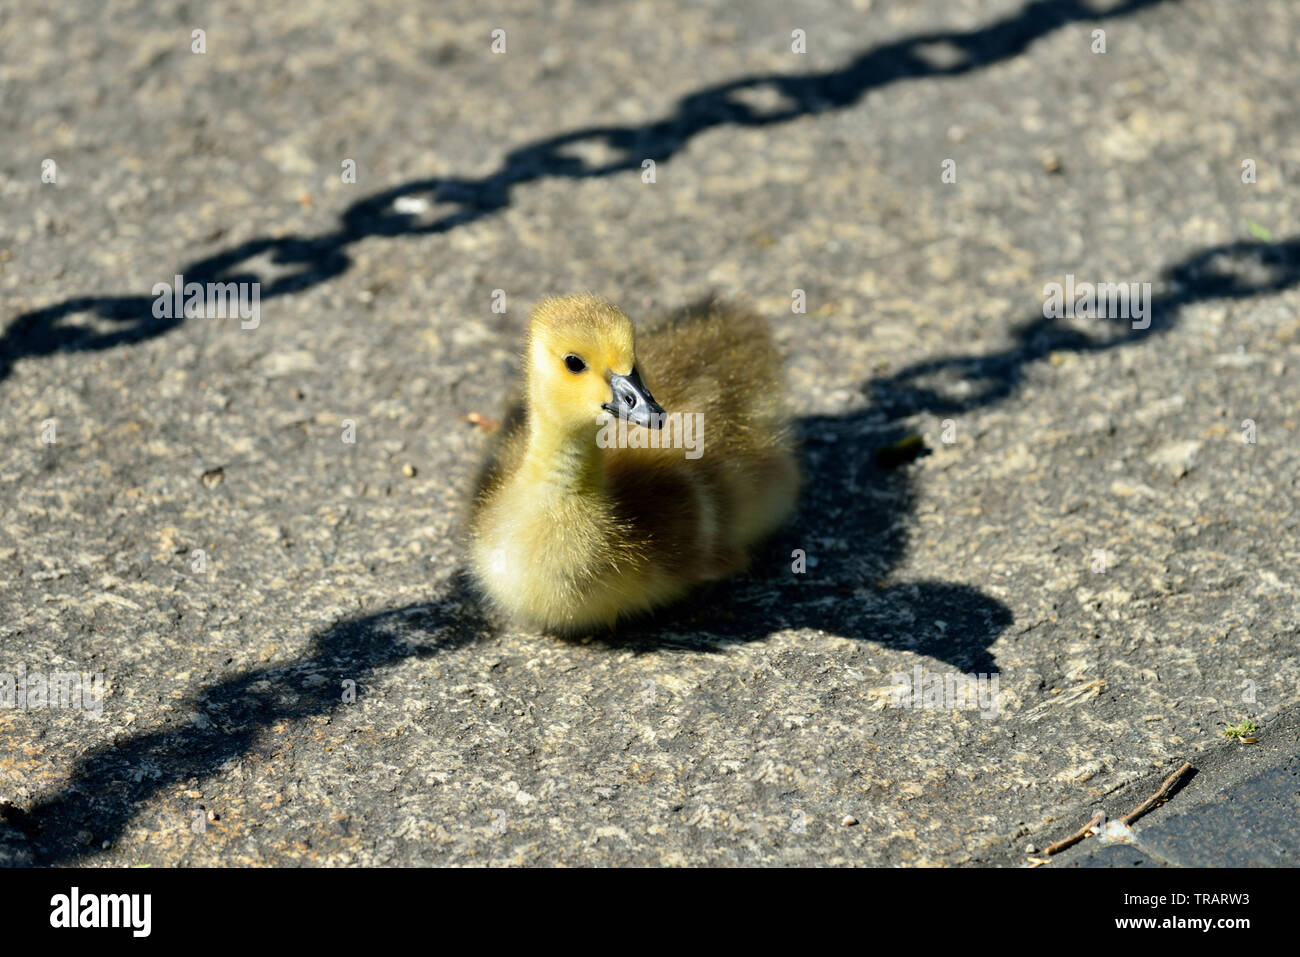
1096	534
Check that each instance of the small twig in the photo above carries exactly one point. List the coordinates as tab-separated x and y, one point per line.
1075	838
1170	783
1153	800
486	423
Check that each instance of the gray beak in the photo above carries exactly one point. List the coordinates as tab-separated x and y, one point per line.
633	401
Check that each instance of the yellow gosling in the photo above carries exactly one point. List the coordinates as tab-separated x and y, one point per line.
598	502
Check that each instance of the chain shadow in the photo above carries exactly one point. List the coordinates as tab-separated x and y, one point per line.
956	384
43	332
110	781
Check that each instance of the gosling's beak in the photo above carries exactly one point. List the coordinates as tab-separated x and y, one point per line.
633	401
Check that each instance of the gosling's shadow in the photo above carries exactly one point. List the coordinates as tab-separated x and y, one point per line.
823	571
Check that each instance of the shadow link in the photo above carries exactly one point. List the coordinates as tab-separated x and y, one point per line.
130	318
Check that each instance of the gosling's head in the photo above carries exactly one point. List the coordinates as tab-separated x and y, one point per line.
582	360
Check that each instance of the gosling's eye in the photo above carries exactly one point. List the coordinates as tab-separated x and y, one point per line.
574	364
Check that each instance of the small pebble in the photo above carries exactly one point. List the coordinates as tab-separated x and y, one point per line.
849	820
408	470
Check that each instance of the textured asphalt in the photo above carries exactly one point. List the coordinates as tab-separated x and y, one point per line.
1102	514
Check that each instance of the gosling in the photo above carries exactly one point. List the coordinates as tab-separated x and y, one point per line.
569	531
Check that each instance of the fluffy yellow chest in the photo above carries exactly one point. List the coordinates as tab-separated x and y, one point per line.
547	559
503	562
